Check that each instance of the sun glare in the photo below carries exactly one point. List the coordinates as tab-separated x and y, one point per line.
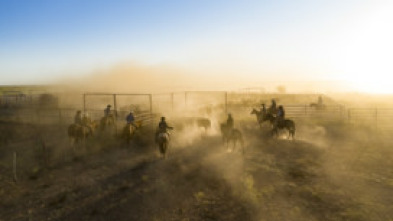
365	61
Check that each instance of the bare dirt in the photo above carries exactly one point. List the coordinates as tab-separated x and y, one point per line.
328	175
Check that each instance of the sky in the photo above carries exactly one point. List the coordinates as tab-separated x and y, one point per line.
281	40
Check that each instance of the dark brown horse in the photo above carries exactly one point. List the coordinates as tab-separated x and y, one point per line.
284	124
107	121
263	117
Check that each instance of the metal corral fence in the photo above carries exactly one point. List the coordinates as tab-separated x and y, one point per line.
122	104
147	106
65	115
328	112
119	102
379	118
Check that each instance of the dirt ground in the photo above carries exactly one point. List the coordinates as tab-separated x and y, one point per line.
330	172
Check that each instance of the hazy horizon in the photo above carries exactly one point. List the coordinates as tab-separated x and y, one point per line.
200	44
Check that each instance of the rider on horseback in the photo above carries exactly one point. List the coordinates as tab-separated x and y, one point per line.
273	108
78	118
230	121
107	111
131	119
263	111
163	128
280	116
320	101
86	119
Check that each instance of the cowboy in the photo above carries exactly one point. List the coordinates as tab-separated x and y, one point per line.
162	128
78	118
107	111
320	101
230	122
280	115
131	119
273	108
263	110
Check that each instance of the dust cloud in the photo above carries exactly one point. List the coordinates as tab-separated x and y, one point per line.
335	169
134	77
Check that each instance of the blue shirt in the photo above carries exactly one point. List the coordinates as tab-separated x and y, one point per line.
130	118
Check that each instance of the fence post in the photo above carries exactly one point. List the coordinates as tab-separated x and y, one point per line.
226	102
39	116
84	103
14	168
172	101
185	99
115	107
341	111
59	116
376	118
151	103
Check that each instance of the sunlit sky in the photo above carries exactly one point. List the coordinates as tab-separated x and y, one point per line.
346	40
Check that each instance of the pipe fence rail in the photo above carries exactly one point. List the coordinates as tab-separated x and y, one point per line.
148	106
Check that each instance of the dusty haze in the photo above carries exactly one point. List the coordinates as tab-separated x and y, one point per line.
134	77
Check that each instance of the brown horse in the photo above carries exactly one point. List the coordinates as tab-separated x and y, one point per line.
232	134
318	106
129	131
107	121
285	124
92	124
263	117
200	122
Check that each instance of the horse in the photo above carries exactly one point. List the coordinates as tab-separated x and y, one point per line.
199	122
259	116
129	131
92	124
204	123
107	121
285	124
79	132
232	134
318	106
263	117
163	142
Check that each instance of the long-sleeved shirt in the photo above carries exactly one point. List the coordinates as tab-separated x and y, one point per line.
281	113
163	126
107	111
130	118
230	122
78	119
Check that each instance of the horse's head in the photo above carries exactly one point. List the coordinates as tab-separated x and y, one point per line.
254	111
139	123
